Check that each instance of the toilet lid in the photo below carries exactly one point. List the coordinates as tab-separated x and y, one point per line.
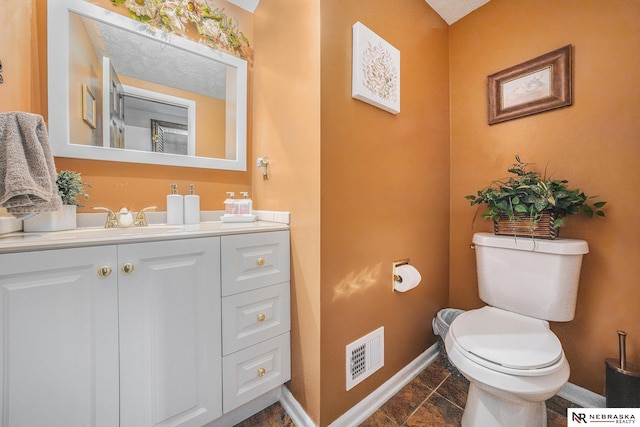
507	339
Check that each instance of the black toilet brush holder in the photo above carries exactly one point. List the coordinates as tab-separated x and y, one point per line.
622	389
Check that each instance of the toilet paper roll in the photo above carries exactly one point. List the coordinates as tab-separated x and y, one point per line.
408	278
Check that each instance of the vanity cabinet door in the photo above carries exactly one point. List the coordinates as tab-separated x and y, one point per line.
170	334
59	338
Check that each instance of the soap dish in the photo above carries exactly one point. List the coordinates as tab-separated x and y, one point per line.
238	218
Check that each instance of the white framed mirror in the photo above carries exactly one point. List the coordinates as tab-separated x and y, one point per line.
112	80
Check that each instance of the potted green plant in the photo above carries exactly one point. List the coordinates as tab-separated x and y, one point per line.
70	186
531	204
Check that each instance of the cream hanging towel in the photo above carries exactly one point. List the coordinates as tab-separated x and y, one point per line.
27	171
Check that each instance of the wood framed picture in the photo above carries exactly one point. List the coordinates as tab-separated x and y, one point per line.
534	86
88	106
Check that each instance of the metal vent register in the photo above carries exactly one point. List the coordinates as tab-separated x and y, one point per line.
364	356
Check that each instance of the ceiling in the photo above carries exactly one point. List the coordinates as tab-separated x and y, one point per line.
449	10
452	10
249	5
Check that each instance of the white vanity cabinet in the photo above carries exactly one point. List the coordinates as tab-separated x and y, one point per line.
256	315
124	335
169	311
136	333
59	338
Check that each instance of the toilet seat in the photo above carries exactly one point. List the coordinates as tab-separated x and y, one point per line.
507	342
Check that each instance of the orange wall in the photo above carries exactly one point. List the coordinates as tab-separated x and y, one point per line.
286	128
19	55
595	144
381	174
371	205
85	68
21	39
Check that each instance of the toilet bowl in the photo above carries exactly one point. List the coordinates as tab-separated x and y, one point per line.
513	363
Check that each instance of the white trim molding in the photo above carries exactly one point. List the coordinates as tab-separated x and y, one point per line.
366	407
582	396
295	410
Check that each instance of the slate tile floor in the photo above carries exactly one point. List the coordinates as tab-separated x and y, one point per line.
271	416
434	398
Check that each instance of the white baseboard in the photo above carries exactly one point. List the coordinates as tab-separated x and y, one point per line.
582	396
366	407
295	410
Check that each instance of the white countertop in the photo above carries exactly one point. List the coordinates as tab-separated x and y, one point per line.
96	236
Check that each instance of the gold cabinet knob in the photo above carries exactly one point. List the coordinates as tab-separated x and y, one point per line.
261	317
260	262
104	271
261	372
127	268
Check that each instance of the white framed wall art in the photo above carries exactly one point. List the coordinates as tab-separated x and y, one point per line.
376	70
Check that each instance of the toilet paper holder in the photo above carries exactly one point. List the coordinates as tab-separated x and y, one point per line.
395	277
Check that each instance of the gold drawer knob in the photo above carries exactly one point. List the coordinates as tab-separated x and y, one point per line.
127	268
104	271
261	262
261	317
261	372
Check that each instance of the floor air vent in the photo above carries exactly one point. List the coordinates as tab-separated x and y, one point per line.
364	357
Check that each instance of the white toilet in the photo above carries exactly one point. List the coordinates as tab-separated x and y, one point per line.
506	349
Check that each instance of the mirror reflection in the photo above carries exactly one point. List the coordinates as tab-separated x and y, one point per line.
153	97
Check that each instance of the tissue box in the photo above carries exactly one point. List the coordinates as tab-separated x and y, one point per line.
9	224
64	219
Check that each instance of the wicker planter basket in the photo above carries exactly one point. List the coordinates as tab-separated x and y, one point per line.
524	226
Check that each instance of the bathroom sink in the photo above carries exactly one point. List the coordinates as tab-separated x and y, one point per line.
91	233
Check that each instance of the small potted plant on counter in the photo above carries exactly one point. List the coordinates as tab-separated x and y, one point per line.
70	186
531	204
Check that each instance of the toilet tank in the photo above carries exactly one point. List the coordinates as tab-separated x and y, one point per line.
533	277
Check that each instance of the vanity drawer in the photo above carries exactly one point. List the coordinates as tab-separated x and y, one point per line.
254	316
253	371
252	261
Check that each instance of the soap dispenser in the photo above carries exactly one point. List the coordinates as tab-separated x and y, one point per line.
125	218
191	207
230	207
245	205
175	207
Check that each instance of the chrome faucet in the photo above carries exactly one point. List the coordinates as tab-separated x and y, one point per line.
114	222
